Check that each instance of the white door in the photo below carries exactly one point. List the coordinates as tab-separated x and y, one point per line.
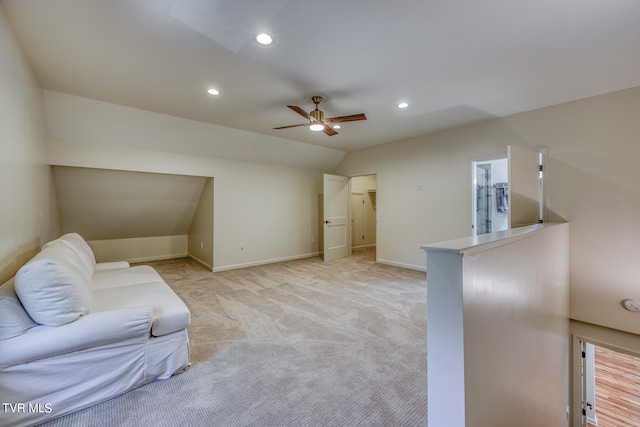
524	186
336	200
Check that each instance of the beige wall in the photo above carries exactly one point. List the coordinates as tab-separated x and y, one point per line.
592	181
271	210
409	216
504	304
28	212
102	204
140	249
85	120
201	230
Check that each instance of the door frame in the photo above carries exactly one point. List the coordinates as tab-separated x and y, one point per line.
350	177
524	187
472	169
375	207
542	158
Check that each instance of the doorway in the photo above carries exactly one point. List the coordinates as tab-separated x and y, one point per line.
339	192
610	383
507	192
490	196
363	212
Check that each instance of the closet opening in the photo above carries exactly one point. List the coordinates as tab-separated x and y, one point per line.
363	214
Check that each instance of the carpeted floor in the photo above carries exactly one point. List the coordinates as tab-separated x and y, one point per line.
298	343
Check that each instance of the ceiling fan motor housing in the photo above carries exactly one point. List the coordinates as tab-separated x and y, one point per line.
317	115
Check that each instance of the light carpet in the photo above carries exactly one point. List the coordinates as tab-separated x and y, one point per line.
299	343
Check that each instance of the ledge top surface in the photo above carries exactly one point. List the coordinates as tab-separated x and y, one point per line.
473	244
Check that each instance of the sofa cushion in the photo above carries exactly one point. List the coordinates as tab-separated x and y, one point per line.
78	249
14	320
170	314
53	288
115	278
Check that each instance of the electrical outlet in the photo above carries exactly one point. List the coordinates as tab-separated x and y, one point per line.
201	245
313	239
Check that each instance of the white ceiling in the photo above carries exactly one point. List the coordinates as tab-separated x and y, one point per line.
456	62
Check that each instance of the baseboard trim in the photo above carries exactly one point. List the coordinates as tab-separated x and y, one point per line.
364	246
156	258
264	262
202	263
403	265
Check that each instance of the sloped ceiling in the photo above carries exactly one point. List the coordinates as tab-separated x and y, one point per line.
71	118
104	204
454	61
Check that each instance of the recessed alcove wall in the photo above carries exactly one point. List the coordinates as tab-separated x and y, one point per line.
137	216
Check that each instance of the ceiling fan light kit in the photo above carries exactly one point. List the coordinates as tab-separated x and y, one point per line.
264	39
317	122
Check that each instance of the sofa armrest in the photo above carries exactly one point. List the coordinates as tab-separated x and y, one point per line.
89	331
112	265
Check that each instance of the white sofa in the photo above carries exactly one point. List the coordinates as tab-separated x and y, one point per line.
74	333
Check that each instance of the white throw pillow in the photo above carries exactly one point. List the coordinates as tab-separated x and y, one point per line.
53	288
14	320
80	248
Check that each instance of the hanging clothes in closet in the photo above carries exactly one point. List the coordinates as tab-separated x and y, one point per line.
502	197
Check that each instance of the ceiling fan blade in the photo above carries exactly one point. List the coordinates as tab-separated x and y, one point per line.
292	126
300	111
342	119
329	131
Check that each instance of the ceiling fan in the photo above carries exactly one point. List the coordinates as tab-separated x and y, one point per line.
317	121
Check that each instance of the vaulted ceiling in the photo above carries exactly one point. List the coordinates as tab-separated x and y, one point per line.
454	62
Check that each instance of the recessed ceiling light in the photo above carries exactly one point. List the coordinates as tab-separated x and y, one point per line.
213	92
264	39
336	126
403	105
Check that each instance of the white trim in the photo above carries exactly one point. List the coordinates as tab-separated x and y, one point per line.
157	258
266	261
371	245
589	380
202	263
577	389
365	174
403	265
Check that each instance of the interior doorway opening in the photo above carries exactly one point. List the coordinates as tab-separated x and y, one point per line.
363	212
342	231
490	196
610	387
507	192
